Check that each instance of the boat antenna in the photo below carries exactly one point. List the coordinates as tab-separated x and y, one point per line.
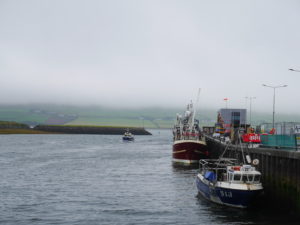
196	104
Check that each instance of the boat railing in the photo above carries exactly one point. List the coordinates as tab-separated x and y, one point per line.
127	134
220	174
243	176
215	174
225	169
188	136
214	163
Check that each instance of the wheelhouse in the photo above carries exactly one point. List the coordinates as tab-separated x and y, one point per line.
243	174
227	170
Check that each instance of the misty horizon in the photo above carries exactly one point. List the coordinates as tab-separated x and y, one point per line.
139	54
200	111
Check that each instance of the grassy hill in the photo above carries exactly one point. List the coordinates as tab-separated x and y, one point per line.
100	116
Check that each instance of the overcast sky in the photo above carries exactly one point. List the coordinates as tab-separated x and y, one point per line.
150	52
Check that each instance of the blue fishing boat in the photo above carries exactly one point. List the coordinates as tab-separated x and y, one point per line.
226	182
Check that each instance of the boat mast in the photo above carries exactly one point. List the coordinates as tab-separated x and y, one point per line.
194	113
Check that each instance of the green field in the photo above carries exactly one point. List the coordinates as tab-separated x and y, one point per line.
110	122
20	116
100	116
46	114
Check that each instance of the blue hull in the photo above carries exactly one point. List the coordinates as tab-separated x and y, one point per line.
226	196
128	139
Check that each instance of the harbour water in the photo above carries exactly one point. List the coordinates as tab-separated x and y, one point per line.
99	179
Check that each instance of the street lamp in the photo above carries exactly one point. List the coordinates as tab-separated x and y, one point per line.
274	87
250	98
294	70
246	100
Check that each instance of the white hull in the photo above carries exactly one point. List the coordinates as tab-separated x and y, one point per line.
185	161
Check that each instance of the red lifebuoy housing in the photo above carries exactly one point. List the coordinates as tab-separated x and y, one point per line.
236	168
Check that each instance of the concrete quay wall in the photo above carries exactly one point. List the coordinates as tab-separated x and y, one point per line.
280	170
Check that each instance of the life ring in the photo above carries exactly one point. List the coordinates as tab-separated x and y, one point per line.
255	162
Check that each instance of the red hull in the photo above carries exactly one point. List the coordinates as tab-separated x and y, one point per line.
189	151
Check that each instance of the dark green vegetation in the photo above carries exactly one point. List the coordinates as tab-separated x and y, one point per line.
12	125
90	129
23	131
9	127
95	115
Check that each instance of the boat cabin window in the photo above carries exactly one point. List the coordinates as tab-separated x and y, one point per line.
257	178
247	178
230	175
224	177
237	177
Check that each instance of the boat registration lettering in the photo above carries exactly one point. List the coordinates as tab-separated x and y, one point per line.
227	194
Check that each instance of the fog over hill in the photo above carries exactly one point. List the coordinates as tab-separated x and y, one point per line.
138	53
150	117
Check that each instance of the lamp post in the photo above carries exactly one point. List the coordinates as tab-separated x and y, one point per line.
294	70
250	98
246	101
274	88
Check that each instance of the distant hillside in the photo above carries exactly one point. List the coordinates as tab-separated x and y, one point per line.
12	125
72	115
93	115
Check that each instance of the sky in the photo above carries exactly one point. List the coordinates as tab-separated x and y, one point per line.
140	53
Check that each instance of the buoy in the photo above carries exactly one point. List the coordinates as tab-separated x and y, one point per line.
255	162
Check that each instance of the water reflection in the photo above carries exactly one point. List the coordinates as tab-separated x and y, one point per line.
185	167
100	180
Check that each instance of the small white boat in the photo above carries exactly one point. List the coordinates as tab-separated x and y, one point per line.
128	136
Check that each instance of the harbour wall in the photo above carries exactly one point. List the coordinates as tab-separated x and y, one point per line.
280	170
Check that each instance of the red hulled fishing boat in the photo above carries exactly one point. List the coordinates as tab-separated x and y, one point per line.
189	143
